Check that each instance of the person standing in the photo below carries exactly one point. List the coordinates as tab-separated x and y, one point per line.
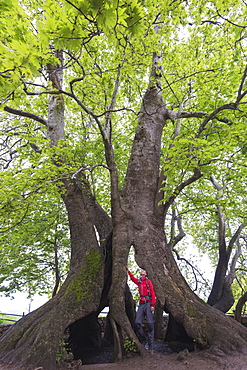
146	307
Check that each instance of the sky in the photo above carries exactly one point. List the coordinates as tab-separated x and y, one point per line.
21	304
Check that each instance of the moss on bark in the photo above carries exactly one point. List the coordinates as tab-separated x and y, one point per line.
83	285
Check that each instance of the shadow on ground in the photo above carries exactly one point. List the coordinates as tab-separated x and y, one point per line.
102	355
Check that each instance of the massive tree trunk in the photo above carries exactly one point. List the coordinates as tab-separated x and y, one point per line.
41	331
136	220
142	225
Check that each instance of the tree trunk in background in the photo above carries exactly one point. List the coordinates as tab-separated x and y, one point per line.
239	307
221	296
227	299
219	278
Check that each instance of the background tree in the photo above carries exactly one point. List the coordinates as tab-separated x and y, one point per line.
220	235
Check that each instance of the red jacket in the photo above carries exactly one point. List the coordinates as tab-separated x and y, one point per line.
146	289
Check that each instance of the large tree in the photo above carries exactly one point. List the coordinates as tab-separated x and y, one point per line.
218	231
104	85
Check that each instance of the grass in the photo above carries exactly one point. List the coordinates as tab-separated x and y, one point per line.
8	319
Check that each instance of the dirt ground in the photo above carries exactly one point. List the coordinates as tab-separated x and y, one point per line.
199	360
163	358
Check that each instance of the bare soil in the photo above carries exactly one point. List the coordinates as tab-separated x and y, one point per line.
163	358
198	360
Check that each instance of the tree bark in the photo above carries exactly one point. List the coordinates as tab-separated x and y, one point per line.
137	220
202	323
239	307
139	188
159	332
41	331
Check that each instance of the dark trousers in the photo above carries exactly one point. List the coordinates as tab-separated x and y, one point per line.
145	311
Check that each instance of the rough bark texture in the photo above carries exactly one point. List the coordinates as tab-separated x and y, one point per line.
25	343
137	203
239	307
202	323
136	220
41	331
158	321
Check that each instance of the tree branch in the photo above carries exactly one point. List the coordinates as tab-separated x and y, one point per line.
183	114
230	277
181	234
178	122
234	238
194	114
221	231
221	220
197	174
107	126
21	113
236	235
80	11
227	20
239	96
231	106
195	271
77	174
